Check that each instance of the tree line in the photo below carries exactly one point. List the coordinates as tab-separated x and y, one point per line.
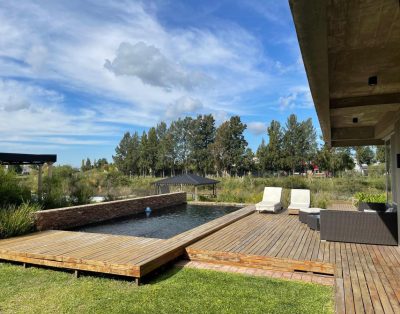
197	145
186	145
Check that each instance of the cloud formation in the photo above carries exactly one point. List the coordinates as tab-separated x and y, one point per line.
257	128
147	63
183	106
299	97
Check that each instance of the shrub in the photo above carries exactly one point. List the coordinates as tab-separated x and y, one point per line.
361	197
17	220
12	189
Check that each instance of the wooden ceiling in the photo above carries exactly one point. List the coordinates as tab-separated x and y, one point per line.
358	39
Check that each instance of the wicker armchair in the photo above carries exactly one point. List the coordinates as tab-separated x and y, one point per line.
359	227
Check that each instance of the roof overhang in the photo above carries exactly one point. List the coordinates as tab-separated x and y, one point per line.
26	159
344	43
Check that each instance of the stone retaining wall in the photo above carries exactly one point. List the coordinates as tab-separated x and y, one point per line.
76	216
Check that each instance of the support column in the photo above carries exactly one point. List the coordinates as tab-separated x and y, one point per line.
196	198
50	169
40	182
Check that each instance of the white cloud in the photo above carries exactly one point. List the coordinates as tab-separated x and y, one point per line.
184	105
257	128
148	64
299	97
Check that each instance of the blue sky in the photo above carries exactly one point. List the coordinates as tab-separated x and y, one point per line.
75	75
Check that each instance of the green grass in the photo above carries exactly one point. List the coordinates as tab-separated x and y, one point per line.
176	291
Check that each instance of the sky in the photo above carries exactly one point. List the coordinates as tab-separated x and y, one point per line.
76	75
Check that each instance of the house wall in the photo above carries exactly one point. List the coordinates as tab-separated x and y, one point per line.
75	216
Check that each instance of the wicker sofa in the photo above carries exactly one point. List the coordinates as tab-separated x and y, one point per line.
359	227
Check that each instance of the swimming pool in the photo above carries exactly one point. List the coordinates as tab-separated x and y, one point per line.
162	224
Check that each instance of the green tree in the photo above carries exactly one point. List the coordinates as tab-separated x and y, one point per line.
152	150
202	135
364	154
88	164
334	159
299	144
380	153
262	156
144	163
134	154
274	148
229	146
163	147
248	165
127	154
180	132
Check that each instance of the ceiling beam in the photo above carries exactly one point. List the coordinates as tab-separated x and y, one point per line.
353	133
369	100
385	126
348	143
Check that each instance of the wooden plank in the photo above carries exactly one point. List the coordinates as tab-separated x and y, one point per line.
265	262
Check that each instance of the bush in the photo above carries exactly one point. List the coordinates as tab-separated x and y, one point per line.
369	198
12	189
17	220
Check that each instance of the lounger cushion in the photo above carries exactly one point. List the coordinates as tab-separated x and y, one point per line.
271	200
299	198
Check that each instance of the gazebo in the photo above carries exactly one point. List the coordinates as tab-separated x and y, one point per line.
30	159
186	179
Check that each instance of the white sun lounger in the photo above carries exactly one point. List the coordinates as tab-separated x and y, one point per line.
299	199
271	200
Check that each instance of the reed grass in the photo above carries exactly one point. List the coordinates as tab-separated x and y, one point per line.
17	220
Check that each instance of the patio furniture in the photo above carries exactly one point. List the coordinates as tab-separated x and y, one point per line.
299	199
271	200
359	227
313	221
304	212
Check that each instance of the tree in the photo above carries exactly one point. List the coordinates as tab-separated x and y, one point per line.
144	163
334	159
364	154
291	144
380	154
248	165
122	156
307	142
201	137
180	131
134	154
101	163
88	164
163	147
274	148
299	144
262	156
152	150
229	146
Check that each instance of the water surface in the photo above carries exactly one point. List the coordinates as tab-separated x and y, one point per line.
162	224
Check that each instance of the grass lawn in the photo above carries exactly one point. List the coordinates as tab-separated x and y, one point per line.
36	290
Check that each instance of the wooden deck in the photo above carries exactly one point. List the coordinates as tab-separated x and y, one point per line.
111	254
367	276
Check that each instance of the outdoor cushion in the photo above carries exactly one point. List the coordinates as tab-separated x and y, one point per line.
299	199
271	200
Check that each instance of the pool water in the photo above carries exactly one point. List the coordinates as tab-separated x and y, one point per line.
162	224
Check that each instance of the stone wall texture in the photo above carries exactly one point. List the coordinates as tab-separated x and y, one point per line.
76	216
